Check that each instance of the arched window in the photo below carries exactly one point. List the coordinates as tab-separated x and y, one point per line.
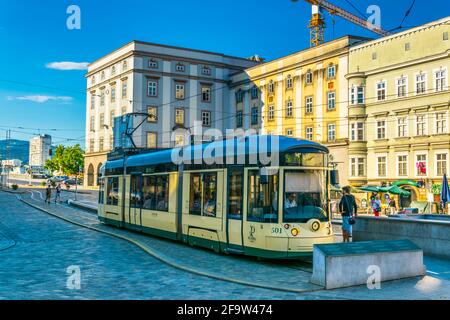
90	176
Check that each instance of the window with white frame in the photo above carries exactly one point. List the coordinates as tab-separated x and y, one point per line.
445	36
102	121
112	115
179	91
152	114
206	93
180	67
289	132
179	116
381	129
239	119
254	115
239	96
91	145
206	118
309	77
331	132
101	144
402	87
421	125
92	123
93	80
421	83
102	75
357	167
440	80
357	131
331	100
331	71
309	104
113	94
152	140
254	92
289	82
124	89
441	122
309	133
102	97
357	95
402	126
270	87
289	112
271	113
381	166
402	165
113	70
206	71
441	164
152	88
421	164
124	65
92	100
381	91
179	140
153	64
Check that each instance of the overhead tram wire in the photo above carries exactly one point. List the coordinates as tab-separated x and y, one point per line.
407	13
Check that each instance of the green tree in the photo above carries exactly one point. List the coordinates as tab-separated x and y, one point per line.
72	160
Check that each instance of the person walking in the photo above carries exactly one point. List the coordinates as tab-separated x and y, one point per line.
48	193
376	206
392	206
348	209
58	193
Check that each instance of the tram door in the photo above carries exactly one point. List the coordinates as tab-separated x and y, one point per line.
135	207
234	212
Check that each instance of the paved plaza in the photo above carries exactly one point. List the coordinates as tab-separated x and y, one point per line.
36	250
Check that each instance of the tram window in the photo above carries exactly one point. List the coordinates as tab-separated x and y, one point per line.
135	192
156	192
235	183
305	196
112	191
305	159
263	198
203	194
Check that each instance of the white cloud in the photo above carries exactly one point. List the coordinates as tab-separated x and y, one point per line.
41	98
67	65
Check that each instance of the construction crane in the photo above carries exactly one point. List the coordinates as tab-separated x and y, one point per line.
317	22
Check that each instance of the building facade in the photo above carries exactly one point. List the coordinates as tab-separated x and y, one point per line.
300	95
40	147
399	107
176	87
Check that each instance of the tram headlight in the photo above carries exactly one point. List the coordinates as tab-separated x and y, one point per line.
314	225
287	226
295	232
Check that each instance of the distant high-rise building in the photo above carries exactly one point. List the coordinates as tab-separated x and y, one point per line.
40	147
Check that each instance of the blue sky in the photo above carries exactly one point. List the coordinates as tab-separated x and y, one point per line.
34	34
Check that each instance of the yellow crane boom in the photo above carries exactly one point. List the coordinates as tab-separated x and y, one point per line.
317	23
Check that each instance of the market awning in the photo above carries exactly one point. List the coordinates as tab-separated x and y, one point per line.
405	182
391	189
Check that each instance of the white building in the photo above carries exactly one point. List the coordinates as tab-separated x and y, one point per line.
175	86
40	147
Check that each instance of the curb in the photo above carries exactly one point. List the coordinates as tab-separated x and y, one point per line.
166	261
82	206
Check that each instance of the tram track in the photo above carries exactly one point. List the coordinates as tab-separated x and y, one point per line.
167	260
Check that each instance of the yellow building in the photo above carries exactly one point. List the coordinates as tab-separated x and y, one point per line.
399	108
300	95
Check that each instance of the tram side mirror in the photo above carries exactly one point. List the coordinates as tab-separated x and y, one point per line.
334	177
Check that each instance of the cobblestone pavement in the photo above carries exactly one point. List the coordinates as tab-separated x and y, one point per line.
35	267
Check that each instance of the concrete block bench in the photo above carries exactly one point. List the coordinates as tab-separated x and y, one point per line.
341	265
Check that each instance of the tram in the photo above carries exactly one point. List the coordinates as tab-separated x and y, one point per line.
234	204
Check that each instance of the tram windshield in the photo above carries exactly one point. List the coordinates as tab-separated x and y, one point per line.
305	195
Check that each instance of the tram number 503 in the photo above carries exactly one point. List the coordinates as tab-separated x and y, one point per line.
277	230
235	309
